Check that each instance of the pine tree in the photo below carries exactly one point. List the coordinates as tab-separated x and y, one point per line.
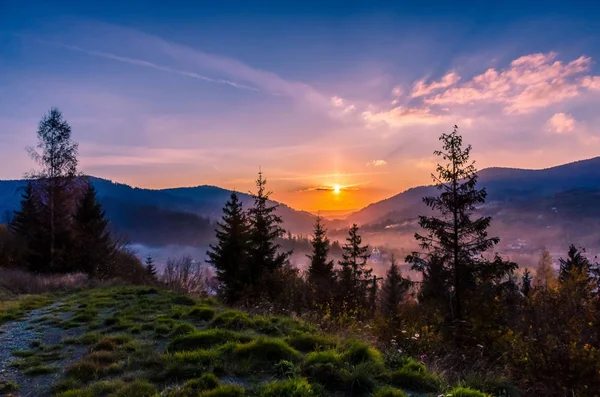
229	256
353	275
373	295
453	237
526	283
56	183
150	268
544	273
25	225
576	265
95	245
265	257
394	290
321	276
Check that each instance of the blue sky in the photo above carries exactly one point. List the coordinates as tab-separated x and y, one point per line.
318	94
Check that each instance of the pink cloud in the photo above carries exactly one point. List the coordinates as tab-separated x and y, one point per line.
561	123
421	88
401	116
529	82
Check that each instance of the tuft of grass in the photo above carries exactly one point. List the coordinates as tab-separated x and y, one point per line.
23	353
206	339
360	380
494	385
85	339
359	352
233	320
306	342
225	391
183	300
138	388
415	381
466	392
202	313
7	386
194	387
40	369
324	357
184	329
298	387
111	342
389	392
84	370
266	349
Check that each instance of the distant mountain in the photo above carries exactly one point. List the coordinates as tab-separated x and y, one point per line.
182	216
504	185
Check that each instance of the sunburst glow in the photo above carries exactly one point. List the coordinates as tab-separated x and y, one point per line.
336	189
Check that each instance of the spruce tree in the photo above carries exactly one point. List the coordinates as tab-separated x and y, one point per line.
25	225
321	276
394	290
230	255
353	274
265	257
544	273
453	237
575	266
95	245
150	268
56	183
526	283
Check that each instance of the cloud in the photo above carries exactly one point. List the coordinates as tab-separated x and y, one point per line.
561	123
528	83
353	187
421	88
401	116
376	163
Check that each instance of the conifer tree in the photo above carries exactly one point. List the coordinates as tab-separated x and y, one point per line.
95	245
230	255
353	274
150	268
526	283
321	276
453	237
574	266
394	290
25	225
265	257
56	184
544	273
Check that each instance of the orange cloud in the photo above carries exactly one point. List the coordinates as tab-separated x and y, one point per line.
421	88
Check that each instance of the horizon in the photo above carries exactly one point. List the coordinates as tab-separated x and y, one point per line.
323	98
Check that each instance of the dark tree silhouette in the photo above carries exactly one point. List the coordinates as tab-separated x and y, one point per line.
25	225
150	268
321	276
353	275
394	290
230	255
526	283
575	265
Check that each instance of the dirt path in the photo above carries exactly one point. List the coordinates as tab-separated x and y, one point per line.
31	331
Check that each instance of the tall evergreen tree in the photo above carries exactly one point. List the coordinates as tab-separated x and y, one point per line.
526	283
575	265
265	257
25	225
544	273
394	290
321	276
353	275
95	245
151	268
453	237
229	256
56	183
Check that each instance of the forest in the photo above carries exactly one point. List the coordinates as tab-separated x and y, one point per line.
472	318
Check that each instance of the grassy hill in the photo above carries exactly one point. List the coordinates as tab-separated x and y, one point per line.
140	341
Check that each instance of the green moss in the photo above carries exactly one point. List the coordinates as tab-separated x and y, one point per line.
298	387
466	392
306	342
203	313
225	391
389	392
267	350
206	339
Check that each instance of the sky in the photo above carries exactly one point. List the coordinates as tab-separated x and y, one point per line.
340	103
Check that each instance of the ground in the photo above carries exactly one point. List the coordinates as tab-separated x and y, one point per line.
140	341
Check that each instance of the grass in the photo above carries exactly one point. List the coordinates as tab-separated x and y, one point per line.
466	392
144	341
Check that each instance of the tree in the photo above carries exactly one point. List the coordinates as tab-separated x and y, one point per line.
453	237
95	245
56	185
353	274
575	265
150	268
229	256
321	277
394	290
526	283
544	273
25	226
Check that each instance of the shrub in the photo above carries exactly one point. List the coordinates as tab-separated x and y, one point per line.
267	350
305	342
203	313
466	392
206	339
289	388
389	392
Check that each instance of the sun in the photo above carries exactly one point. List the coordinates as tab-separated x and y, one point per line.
336	189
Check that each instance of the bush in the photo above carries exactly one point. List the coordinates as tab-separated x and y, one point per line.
289	388
19	282
206	339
